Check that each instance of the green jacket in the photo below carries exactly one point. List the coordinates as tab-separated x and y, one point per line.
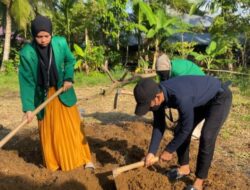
182	67
31	94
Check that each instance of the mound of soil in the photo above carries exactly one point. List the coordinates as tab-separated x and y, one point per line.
21	168
112	145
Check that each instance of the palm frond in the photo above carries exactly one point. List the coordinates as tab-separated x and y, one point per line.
147	11
21	12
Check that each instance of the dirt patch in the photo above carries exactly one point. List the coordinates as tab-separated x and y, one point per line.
116	138
148	179
21	168
111	146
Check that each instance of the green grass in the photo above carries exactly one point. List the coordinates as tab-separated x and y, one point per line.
239	81
92	79
8	82
95	78
239	119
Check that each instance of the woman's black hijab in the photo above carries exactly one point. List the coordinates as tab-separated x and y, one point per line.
47	75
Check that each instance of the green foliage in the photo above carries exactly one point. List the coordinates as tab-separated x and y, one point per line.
156	24
113	57
240	81
227	27
22	13
159	24
113	20
107	22
95	78
10	66
85	17
118	68
93	56
180	5
63	17
142	66
8	81
210	56
148	13
183	48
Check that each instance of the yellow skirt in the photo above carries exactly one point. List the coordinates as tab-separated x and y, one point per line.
63	140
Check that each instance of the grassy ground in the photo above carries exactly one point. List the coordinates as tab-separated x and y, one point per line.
95	78
9	82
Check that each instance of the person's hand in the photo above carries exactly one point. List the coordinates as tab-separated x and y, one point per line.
149	159
29	116
166	156
67	85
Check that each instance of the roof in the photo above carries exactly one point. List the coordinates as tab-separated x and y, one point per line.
199	38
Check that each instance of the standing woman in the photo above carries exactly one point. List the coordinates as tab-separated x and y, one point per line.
46	65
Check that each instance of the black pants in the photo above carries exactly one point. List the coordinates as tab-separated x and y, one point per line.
215	113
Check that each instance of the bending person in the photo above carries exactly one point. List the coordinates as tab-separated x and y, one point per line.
196	98
166	69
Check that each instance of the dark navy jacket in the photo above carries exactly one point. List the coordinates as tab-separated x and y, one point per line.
183	93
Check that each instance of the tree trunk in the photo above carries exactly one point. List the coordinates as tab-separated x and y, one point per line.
68	25
86	46
7	39
243	52
127	51
118	42
86	37
182	46
139	45
156	52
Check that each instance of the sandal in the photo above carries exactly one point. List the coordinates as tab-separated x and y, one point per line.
174	174
90	166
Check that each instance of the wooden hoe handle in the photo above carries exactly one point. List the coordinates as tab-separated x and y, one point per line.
122	169
36	111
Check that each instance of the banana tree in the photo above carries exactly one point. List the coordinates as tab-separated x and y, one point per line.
210	55
156	25
139	18
163	28
90	57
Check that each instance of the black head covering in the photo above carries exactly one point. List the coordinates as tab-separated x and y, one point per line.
144	92
47	74
41	23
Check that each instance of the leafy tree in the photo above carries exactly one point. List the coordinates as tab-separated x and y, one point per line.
113	19
63	16
20	11
183	48
91	57
228	25
157	25
210	56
